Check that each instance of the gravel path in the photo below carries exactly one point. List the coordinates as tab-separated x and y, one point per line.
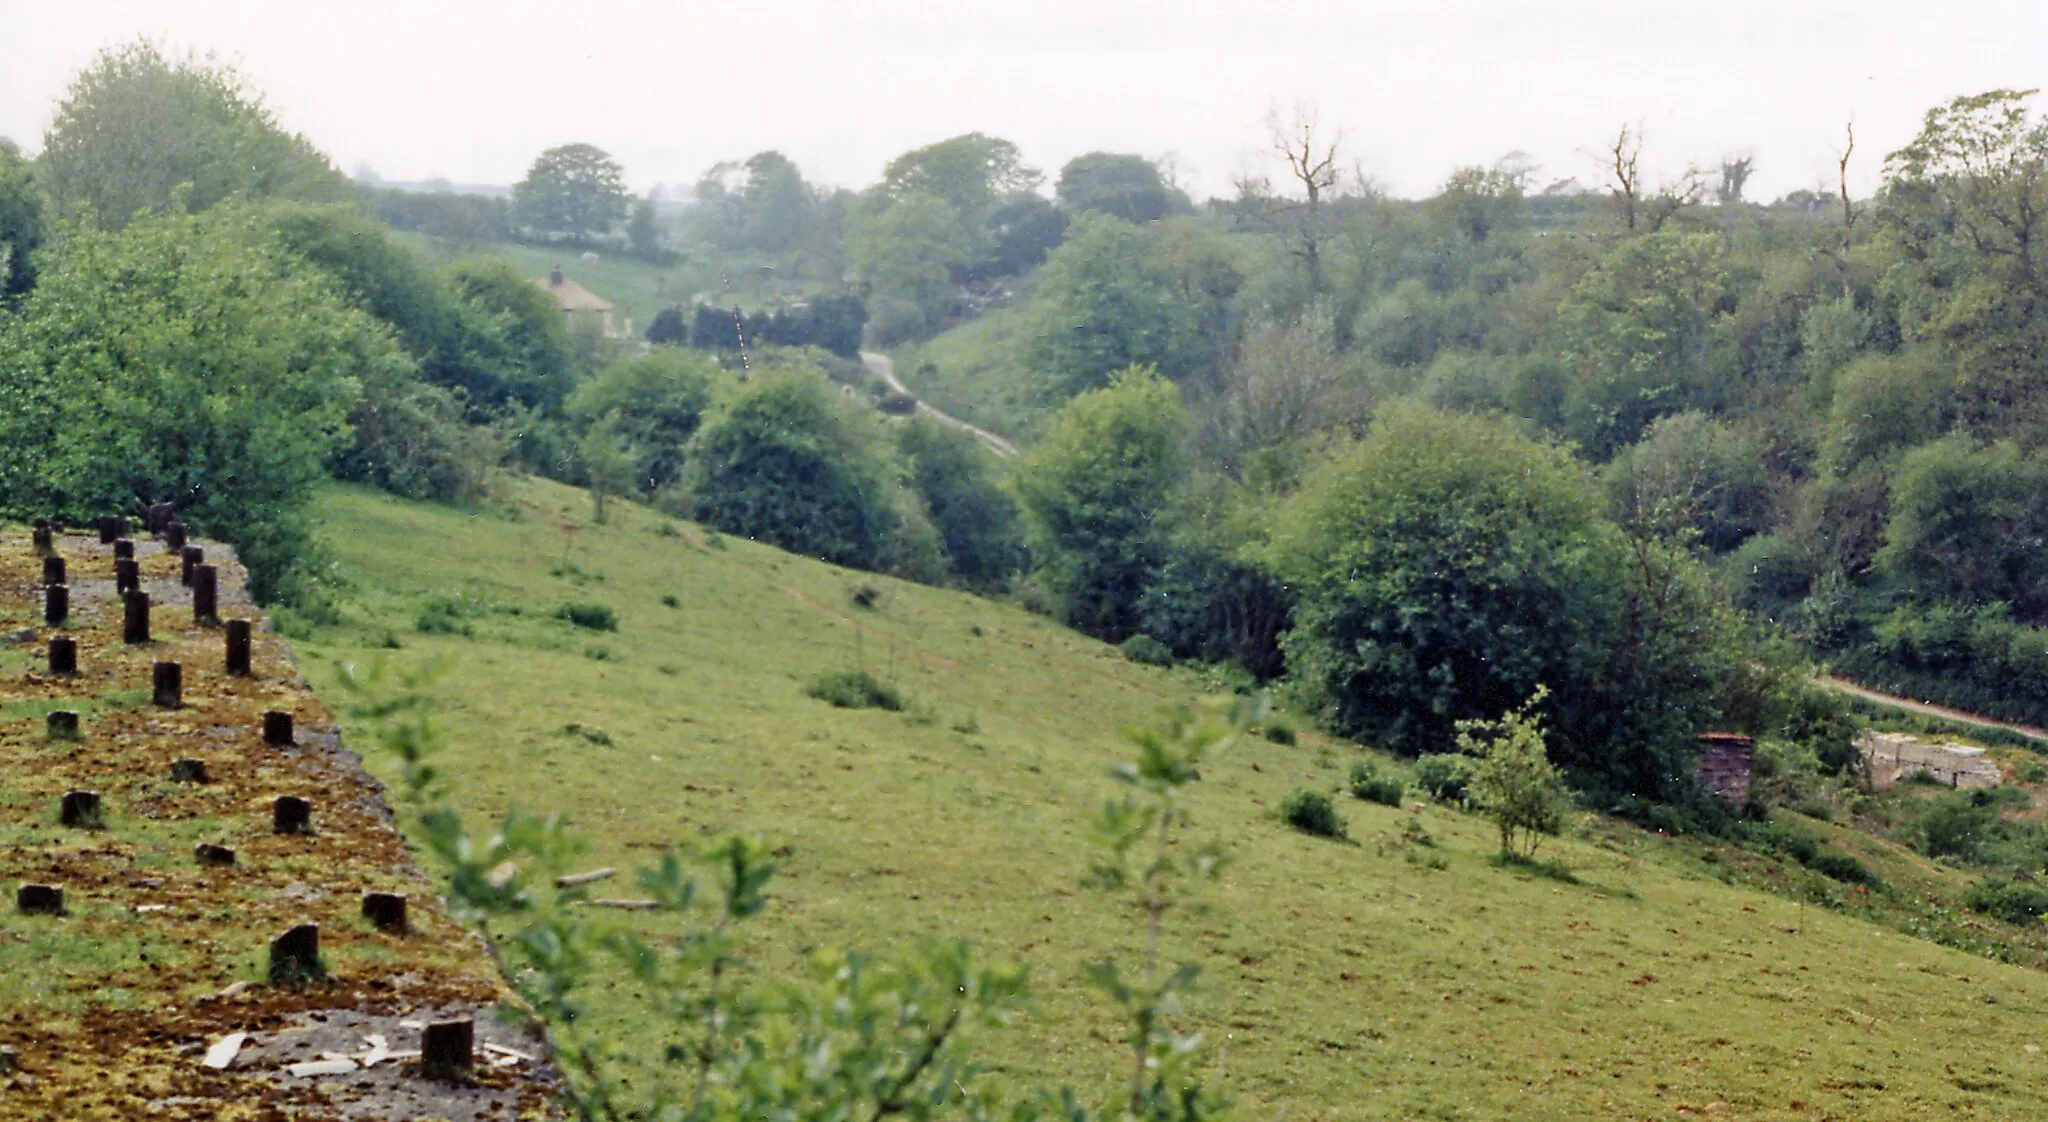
884	367
1928	708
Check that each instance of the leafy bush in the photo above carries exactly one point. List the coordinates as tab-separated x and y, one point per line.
1367	783
1278	730
1769	571
1146	650
976	519
790	464
1314	814
1208	604
590	616
1446	566
1957	826
1096	492
1798	846
1514	780
1974	657
1842	867
1446	776
2012	901
444	615
188	356
658	401
855	689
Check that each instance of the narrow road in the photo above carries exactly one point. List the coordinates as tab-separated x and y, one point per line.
1845	686
884	367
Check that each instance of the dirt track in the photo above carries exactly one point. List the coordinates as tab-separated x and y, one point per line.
111	1007
1929	708
884	367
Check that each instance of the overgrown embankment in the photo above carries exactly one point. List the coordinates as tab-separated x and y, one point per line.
110	1008
1405	975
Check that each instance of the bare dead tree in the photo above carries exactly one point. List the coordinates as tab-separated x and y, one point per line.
1673	199
1623	158
1312	162
1848	209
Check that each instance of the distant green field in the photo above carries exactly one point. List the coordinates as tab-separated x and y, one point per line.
1384	978
637	289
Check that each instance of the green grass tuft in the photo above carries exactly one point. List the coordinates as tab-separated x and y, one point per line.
855	689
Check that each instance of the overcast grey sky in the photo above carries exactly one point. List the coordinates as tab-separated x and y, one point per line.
472	91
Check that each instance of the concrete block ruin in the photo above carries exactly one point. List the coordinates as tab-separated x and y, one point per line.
210	917
1722	764
1892	756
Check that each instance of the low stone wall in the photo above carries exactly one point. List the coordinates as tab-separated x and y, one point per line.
175	941
1892	756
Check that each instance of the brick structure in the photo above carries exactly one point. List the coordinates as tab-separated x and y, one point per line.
1723	764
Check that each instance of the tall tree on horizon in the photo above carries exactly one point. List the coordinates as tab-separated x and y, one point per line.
573	191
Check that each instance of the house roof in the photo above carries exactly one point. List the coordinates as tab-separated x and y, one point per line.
573	297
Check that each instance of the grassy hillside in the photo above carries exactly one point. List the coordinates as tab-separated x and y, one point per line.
637	288
974	372
1383	978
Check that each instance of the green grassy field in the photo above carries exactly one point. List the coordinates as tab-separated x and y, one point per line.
1383	978
975	371
636	288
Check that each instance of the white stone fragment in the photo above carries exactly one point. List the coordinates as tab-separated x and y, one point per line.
322	1067
222	1055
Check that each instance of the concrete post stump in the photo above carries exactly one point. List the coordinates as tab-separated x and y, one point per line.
447	1050
63	656
238	647
135	617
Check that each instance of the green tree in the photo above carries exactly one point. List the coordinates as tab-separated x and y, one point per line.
21	223
575	192
973	173
187	358
409	435
1094	492
791	463
976	519
1024	230
384	278
1514	781
1102	305
1966	204
1477	205
654	402
761	204
902	252
1692	475
1968	521
1445	567
609	462
1288	384
515	348
1639	330
138	132
1119	185
1883	404
1975	182
1143	858
644	234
